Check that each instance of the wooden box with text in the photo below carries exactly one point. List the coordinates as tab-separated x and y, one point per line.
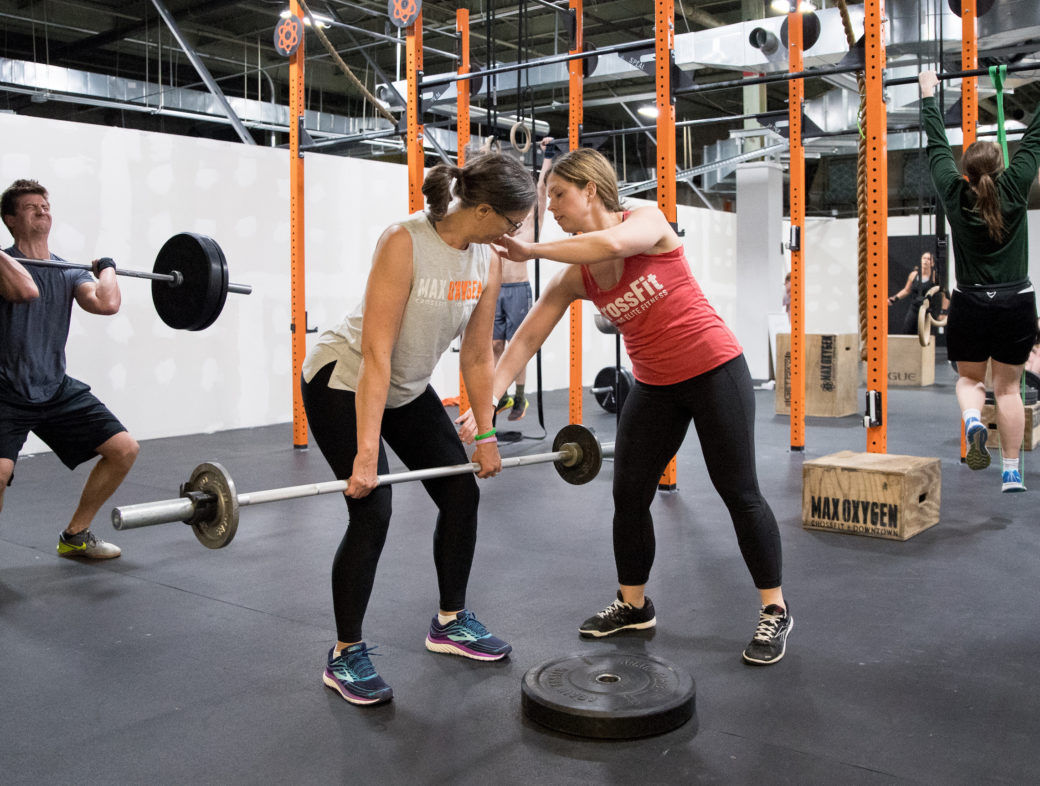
1031	436
831	374
876	494
910	364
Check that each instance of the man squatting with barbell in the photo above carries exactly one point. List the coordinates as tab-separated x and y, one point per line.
35	392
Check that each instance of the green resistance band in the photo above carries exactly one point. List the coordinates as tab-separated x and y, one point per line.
998	75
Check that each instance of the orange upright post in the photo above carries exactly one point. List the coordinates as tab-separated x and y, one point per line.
796	95
877	229
664	45
969	105
414	129
576	75
298	281
969	84
462	130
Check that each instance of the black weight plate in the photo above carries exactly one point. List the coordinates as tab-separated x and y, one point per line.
591	460
611	696
613	399
981	7
810	31
219	529
197	301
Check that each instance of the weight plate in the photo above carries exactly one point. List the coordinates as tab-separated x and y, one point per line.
609	696
197	301
591	459
810	31
217	529
604	325
981	7
610	396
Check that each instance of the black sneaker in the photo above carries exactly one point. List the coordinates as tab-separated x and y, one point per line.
770	640
619	616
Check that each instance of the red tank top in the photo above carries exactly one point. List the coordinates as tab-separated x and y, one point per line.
671	331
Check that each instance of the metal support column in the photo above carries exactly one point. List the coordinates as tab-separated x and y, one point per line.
664	54
575	68
877	228
298	297
462	133
795	97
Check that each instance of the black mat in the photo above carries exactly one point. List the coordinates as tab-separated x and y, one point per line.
909	662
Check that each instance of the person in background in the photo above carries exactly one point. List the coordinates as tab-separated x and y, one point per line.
992	318
920	280
514	301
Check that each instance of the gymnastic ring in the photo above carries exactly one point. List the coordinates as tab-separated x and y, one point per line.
925	320
527	137
491	145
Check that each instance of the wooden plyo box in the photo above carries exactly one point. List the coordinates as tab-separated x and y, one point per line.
831	374
1031	437
910	364
875	494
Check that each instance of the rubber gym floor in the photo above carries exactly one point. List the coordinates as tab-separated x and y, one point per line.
910	662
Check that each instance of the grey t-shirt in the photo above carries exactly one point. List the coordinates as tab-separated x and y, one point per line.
446	284
33	334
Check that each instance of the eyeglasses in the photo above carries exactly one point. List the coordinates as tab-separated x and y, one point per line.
514	226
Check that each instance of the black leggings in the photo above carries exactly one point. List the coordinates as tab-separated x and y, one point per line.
654	420
422	435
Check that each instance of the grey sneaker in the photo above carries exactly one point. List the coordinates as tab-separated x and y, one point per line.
975	434
619	616
770	640
86	544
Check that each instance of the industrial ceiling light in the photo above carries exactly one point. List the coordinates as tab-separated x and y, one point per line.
323	21
787	6
650	110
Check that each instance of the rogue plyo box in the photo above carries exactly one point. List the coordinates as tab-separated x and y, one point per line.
875	494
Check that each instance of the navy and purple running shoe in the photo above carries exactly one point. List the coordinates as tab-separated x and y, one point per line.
465	636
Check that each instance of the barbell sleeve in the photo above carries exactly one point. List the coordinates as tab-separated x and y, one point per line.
147	514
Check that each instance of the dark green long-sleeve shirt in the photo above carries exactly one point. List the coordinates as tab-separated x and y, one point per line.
978	259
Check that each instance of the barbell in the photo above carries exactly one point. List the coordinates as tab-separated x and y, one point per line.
210	503
925	320
189	280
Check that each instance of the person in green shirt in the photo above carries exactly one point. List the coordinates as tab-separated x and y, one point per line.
993	314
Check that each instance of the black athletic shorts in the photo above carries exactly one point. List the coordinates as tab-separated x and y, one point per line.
74	424
998	323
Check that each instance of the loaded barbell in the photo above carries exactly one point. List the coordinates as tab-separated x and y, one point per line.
210	503
189	280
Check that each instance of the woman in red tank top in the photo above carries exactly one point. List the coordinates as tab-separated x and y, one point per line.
688	368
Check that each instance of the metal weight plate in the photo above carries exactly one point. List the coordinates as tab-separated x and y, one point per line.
611	696
217	529
197	301
591	459
610	396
